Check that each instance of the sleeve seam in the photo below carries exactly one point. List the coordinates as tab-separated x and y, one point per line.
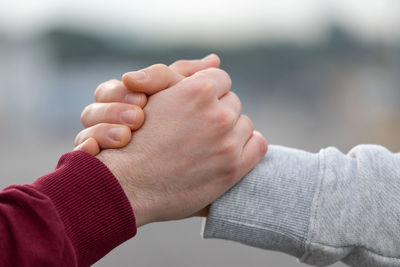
314	207
293	237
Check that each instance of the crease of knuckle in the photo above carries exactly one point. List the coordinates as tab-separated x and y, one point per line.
142	99
229	149
110	110
99	130
223	120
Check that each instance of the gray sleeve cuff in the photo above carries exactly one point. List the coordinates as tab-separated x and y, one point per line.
270	207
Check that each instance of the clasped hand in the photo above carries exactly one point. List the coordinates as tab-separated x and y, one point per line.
193	146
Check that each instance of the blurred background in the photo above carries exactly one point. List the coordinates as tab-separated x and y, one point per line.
310	74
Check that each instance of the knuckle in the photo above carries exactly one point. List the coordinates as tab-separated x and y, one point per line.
110	108
101	127
110	84
224	120
263	146
218	72
226	77
236	99
98	130
97	94
181	63
113	83
203	86
211	70
229	81
228	148
248	122
142	99
222	76
85	115
160	68
234	102
232	172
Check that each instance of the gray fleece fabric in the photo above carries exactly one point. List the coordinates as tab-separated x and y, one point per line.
321	208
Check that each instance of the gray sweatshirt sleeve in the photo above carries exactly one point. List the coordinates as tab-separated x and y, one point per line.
320	208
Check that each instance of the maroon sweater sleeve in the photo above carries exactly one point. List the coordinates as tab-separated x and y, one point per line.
71	217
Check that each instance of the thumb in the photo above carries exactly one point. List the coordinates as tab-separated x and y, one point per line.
90	146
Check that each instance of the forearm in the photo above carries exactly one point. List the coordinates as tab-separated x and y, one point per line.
71	217
321	208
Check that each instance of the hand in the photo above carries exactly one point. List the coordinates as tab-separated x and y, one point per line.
105	125
194	146
159	77
115	92
109	122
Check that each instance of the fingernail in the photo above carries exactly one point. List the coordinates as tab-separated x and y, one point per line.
128	117
137	75
133	98
115	134
208	58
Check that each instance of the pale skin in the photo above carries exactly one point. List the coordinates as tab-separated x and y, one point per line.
194	146
113	98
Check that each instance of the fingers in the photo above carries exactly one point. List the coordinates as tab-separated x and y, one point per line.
189	67
212	81
253	152
244	129
116	91
232	102
152	79
117	113
216	78
90	146
160	77
107	135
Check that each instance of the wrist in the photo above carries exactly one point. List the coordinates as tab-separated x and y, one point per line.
116	165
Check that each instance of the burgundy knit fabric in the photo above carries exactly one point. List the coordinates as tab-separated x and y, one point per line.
71	217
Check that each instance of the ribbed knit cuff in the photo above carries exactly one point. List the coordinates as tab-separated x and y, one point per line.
270	207
95	211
